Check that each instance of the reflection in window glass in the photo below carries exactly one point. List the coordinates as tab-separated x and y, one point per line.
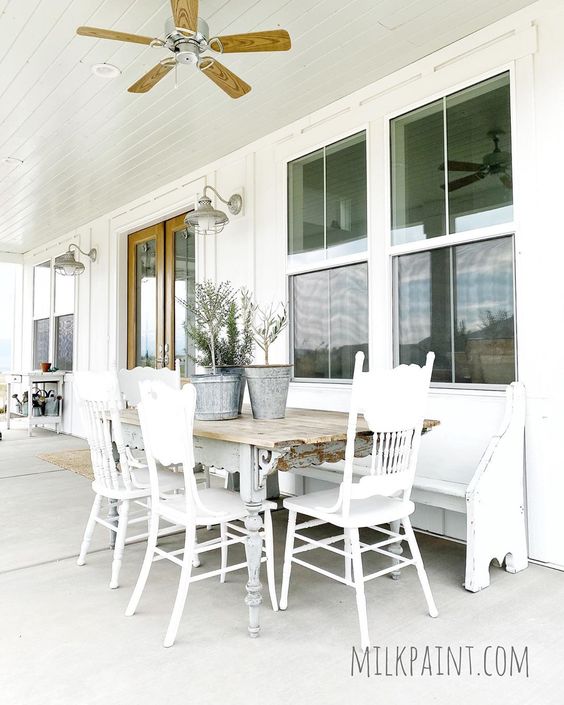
345	187
40	342
479	155
418	197
42	290
64	294
306	198
484	312
330	321
327	202
146	292
461	298
424	310
64	334
184	283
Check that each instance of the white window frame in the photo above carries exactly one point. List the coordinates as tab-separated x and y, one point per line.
452	239
331	262
53	315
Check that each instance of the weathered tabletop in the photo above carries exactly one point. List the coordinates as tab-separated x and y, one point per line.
299	427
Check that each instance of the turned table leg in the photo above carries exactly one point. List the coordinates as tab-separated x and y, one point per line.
253	550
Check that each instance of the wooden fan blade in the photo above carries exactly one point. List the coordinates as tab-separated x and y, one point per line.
185	13
226	79
460	166
151	78
464	181
110	34
275	40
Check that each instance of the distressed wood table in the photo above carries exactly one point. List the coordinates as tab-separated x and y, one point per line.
255	449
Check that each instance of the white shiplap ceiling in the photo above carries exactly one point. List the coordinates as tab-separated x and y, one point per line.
88	146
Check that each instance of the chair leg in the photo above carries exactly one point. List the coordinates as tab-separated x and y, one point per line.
146	567
224	549
359	587
288	559
414	548
120	542
182	587
396	548
348	558
269	548
96	504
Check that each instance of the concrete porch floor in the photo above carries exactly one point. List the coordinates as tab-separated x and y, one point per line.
65	639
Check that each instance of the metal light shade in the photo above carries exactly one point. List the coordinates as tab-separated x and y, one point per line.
207	220
67	265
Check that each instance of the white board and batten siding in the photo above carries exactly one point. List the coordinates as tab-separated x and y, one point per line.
252	251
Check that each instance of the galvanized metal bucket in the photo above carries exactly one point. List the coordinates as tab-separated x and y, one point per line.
228	370
268	390
217	396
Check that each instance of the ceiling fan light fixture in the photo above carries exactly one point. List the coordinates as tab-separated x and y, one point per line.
104	70
68	266
207	220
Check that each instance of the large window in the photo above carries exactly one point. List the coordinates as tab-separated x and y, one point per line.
327	224
53	317
451	164
451	177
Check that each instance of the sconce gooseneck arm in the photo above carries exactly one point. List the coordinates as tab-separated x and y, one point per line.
92	254
234	203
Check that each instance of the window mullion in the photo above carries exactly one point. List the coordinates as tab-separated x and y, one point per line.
445	152
452	316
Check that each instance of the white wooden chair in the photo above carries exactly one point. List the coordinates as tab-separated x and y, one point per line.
129	380
118	483
393	405
167	418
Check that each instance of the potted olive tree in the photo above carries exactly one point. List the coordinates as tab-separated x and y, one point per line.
235	344
218	392
268	384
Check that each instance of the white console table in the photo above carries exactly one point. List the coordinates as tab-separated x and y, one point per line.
28	381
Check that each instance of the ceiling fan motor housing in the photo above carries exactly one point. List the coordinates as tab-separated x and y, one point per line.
186	47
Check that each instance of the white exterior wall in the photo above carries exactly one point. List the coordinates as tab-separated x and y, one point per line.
252	251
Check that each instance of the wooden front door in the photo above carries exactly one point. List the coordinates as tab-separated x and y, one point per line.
161	278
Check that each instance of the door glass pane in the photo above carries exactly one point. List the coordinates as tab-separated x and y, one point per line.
64	294
345	165
42	290
40	342
64	334
146	293
306	183
418	197
310	299
330	321
484	312
424	310
479	155
184	283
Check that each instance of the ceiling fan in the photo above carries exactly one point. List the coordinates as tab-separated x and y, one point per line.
495	163
187	37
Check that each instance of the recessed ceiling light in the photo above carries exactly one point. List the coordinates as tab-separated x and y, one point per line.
11	161
105	70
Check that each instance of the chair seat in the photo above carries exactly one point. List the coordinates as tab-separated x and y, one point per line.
372	511
168	482
221	505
